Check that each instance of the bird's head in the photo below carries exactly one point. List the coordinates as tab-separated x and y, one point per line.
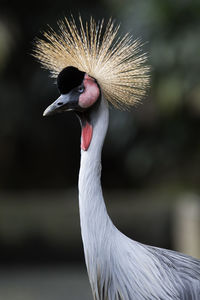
89	60
78	92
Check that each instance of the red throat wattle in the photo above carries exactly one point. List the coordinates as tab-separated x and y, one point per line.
86	136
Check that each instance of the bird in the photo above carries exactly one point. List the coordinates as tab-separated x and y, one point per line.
95	68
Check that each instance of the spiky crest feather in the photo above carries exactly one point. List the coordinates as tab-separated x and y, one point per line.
116	63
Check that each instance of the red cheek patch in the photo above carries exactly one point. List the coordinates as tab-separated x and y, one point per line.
86	136
91	93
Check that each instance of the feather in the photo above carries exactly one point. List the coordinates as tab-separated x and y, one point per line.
117	63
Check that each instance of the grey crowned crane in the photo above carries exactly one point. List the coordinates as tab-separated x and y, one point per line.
94	67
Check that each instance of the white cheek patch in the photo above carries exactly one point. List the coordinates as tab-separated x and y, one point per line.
91	93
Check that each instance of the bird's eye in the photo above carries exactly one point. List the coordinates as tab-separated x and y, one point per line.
80	89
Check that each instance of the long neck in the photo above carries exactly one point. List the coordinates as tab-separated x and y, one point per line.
93	214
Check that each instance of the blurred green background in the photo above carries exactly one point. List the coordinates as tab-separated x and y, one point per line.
151	156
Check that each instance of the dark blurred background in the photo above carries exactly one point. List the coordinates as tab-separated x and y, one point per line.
151	156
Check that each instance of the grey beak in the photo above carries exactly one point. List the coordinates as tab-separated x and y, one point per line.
60	105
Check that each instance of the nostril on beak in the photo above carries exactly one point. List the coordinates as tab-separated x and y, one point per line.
60	103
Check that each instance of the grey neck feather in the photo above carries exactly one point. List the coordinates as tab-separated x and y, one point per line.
95	222
91	203
120	268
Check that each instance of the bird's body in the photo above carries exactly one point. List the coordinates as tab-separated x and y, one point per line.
118	267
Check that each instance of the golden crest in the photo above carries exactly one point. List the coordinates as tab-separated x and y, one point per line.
117	63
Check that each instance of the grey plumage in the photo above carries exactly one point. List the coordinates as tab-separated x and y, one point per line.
119	268
182	269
